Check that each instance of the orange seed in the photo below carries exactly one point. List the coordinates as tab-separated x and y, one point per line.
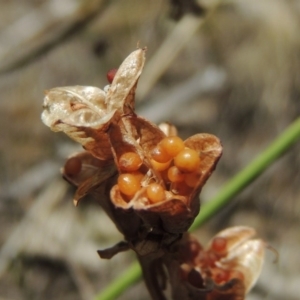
160	166
172	145
175	175
128	184
155	192
187	160
160	155
130	161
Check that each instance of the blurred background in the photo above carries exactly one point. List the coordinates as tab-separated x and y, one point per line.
230	68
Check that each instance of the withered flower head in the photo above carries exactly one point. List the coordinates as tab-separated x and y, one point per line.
148	181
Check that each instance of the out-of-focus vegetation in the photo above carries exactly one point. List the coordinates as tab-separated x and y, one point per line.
236	76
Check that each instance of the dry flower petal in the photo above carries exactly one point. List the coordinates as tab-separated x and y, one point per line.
122	90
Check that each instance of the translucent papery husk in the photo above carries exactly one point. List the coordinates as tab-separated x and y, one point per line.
244	254
84	113
177	212
122	90
80	112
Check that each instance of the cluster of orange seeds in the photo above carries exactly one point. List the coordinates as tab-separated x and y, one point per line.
176	163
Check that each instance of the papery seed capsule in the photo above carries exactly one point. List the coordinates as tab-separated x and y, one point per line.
187	160
155	192
160	166
175	175
172	145
191	179
128	184
130	161
160	155
73	166
111	74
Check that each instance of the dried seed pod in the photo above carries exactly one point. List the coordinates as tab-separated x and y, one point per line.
242	254
176	213
227	268
154	198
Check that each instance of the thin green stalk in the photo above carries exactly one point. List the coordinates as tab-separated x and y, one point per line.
289	137
241	180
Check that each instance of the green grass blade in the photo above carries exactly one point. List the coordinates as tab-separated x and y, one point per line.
241	180
289	137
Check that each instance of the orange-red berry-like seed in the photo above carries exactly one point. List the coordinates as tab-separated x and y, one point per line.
73	166
155	192
128	184
219	245
111	75
160	166
175	175
130	162
172	145
187	160
160	155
